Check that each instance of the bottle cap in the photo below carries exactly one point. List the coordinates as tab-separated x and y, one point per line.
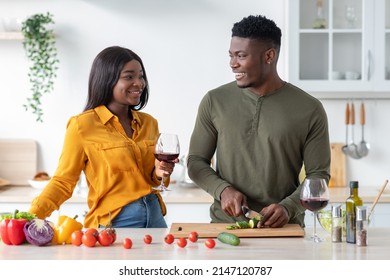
361	213
354	184
336	211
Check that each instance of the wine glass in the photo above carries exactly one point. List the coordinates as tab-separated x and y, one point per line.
350	15
167	149
314	196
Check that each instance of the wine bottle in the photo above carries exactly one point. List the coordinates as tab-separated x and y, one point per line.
352	202
320	21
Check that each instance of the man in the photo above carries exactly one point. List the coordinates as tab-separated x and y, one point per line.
262	130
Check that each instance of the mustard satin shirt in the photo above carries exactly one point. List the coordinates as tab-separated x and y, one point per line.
119	170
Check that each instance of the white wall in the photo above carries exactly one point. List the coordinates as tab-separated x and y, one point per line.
184	45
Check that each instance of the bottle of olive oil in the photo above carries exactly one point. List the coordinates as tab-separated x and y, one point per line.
352	201
320	21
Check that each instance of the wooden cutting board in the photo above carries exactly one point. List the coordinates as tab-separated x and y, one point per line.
211	230
337	166
18	160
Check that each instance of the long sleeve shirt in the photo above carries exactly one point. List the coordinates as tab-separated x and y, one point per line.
118	169
260	144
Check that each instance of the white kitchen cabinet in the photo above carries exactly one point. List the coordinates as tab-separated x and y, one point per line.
327	59
187	213
379	218
68	209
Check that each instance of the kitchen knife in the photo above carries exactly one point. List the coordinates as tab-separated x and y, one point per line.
249	213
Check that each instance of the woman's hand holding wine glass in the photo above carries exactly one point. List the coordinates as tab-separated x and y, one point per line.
166	151
314	196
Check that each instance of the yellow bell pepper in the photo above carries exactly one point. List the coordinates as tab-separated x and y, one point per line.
64	228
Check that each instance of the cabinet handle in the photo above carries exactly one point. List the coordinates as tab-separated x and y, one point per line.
369	65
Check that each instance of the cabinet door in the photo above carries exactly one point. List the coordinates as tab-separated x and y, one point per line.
187	213
335	55
382	45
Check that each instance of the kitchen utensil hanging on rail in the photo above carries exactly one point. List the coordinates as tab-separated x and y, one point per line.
345	147
363	146
352	147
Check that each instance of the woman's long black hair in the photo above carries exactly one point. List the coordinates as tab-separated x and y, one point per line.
104	75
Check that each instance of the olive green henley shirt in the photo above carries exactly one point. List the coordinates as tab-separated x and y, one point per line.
260	144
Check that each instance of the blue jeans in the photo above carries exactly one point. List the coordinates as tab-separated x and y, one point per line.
142	213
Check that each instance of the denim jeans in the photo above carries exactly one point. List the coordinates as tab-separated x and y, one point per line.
142	213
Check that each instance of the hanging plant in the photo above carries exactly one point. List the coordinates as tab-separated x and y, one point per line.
40	46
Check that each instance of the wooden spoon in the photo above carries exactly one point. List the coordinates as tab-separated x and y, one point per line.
345	147
363	146
376	199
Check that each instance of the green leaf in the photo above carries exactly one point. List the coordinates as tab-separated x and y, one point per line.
40	47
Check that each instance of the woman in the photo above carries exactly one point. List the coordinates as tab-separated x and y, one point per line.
113	143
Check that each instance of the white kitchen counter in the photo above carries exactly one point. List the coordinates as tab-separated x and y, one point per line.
185	203
280	248
184	194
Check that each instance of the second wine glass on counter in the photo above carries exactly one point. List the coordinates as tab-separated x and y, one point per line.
167	149
314	196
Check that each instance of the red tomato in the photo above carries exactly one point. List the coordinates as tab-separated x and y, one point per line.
147	239
112	232
89	239
210	243
76	237
127	243
169	238
193	236
105	238
181	242
92	231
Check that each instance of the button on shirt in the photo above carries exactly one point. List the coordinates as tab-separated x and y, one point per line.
118	169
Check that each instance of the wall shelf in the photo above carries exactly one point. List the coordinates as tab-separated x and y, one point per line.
11	36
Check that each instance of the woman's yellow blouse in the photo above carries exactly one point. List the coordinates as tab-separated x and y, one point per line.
119	170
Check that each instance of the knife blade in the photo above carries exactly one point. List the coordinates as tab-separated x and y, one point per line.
249	213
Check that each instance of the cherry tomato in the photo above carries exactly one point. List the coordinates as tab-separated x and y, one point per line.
112	232
210	243
147	239
169	238
89	239
92	231
127	243
105	238
193	236
76	237
181	242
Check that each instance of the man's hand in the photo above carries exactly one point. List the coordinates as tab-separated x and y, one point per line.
231	201
274	215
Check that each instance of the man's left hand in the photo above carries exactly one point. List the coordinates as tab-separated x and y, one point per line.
274	215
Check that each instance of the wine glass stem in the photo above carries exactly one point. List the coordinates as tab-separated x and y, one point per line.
162	185
314	225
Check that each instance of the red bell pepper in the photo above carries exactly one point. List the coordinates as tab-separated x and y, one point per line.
12	230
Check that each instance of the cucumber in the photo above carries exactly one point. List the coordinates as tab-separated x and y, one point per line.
253	222
242	224
229	227
229	238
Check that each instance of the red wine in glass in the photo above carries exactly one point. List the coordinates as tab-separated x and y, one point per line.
314	204
314	196
167	148
166	156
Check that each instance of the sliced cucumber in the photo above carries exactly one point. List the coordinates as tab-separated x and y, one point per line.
229	238
253	222
229	227
242	224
